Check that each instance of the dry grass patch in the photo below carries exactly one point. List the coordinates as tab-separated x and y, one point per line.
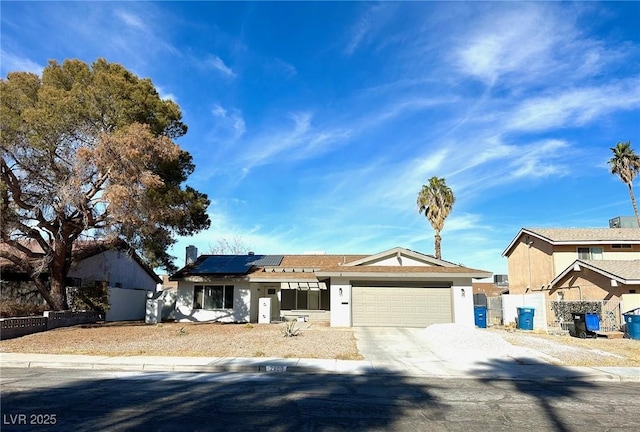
315	340
572	351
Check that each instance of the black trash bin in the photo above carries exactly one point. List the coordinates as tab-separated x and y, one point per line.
586	324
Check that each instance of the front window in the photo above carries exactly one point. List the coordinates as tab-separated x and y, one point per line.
594	253
304	299
213	297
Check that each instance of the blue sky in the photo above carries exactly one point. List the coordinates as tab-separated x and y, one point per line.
314	125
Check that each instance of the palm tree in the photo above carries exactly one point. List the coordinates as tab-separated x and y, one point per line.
625	163
435	200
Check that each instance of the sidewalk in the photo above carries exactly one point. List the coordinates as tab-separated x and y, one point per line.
470	370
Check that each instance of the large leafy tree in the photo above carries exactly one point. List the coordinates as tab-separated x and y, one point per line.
89	151
625	163
435	200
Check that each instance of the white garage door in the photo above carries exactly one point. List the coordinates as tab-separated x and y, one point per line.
400	307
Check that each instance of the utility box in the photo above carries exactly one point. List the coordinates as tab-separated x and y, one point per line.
264	310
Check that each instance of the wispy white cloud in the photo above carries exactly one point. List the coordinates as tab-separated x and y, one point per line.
218	64
229	123
14	63
574	107
370	21
296	140
131	20
166	95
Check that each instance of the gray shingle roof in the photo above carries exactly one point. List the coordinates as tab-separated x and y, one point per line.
626	269
587	234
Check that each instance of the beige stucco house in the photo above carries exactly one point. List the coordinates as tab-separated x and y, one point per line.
397	287
575	263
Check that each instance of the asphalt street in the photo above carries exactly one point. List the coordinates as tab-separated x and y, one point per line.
86	400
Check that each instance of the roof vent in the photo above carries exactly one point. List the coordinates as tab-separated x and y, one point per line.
251	253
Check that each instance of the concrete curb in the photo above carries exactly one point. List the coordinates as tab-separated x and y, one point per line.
309	366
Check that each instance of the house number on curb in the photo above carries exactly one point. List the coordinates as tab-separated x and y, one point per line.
275	368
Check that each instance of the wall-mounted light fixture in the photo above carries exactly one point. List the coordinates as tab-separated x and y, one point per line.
463	293
340	292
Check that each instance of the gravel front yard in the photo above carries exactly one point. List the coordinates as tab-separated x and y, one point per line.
315	340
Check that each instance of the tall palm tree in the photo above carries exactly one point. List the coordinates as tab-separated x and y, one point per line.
435	200
625	163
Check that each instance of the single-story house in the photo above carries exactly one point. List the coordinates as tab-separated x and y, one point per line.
95	263
397	287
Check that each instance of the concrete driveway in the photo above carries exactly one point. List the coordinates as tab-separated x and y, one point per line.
399	350
412	351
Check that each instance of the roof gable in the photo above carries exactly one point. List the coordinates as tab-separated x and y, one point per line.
578	236
399	257
623	271
82	250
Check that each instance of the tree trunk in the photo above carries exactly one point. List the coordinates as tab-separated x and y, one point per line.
633	202
58	270
58	295
438	240
43	289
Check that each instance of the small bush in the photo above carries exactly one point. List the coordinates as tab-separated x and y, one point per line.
289	329
89	298
12	308
248	325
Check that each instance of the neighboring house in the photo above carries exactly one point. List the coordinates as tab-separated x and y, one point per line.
397	287
499	286
95	263
575	263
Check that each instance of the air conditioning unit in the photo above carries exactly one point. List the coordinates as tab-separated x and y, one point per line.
623	222
501	280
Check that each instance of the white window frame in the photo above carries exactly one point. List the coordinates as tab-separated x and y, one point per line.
590	253
213	297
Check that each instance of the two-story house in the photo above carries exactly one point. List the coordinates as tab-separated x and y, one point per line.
575	263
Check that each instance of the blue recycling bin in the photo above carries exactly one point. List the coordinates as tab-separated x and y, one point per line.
586	324
525	318
480	315
633	325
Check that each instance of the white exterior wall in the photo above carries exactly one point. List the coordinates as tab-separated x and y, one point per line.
115	266
462	303
126	304
239	313
340	304
511	303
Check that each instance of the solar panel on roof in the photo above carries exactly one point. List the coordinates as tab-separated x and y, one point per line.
234	264
267	260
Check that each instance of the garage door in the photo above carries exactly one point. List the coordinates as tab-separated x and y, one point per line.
400	307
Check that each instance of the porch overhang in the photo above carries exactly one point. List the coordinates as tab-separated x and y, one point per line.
304	286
